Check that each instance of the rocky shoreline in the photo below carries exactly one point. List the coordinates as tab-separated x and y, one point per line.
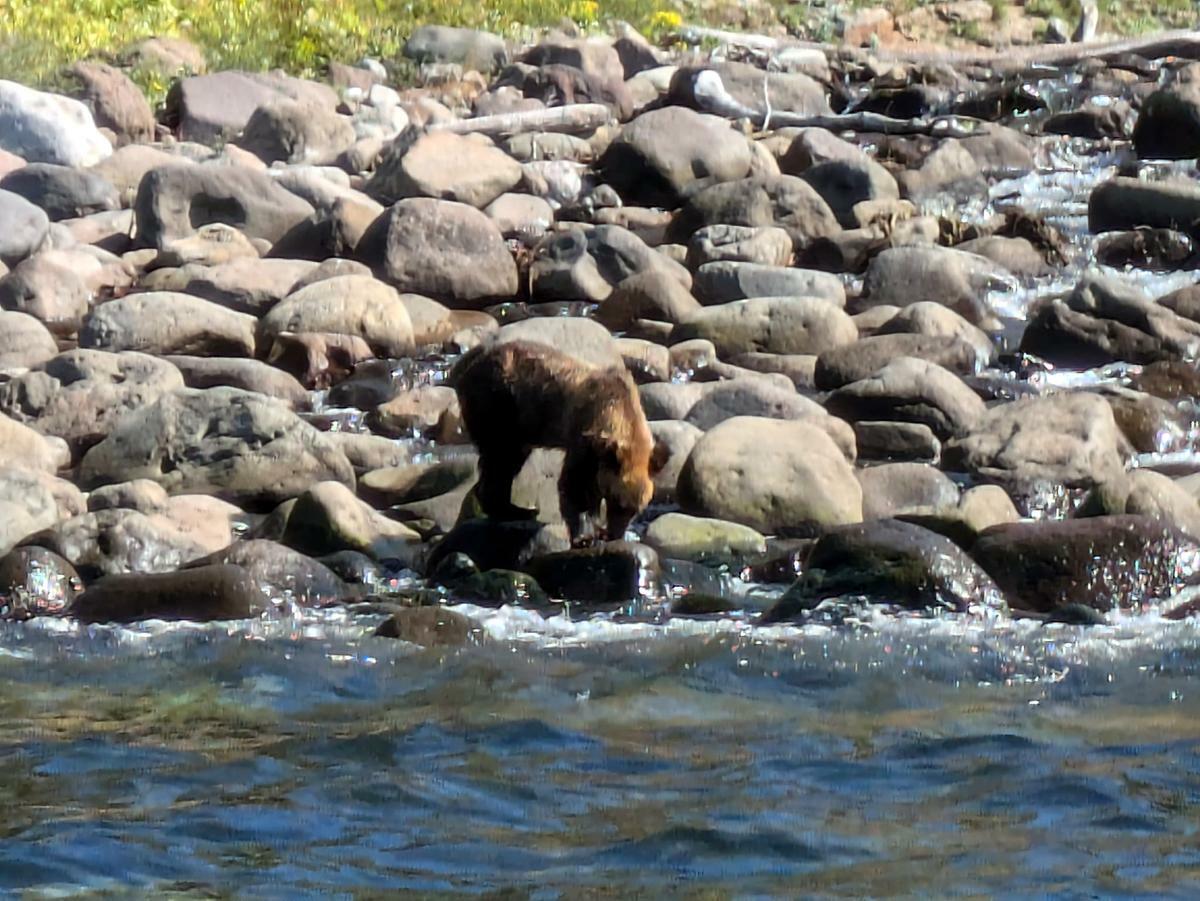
224	333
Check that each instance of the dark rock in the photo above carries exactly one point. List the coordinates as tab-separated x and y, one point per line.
1105	562
779	200
896	441
281	573
613	573
430	627
115	101
1168	126
1129	203
490	544
889	562
61	191
200	595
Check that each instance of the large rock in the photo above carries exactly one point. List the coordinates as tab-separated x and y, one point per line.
867	356
36	582
911	390
21	446
448	251
1103	321
1068	439
49	287
764	246
772	475
782	200
444	166
61	191
209	109
598	63
294	131
903	275
1168	124
346	305
658	157
896	489
580	338
234	444
1129	203
175	201
651	296
328	518
284	575
115	101
1144	492
27	505
471	49
779	325
613	573
48	128
936	321
200	595
948	170
1103	562
587	263
247	285
752	88
721	282
166	322
683	537
890	562
248	375
80	395
24	342
844	183
25	228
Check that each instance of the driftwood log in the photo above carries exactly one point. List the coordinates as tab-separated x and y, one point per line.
1181	43
574	118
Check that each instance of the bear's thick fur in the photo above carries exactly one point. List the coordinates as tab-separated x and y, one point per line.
521	395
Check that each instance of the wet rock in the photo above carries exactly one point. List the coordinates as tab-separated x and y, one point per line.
1168	125
612	573
678	438
36	582
911	390
894	489
209	109
48	128
890	562
979	508
656	158
1104	562
354	305
200	595
61	192
1104	320
1000	152
903	275
166	322
240	446
25	227
118	540
721	282
1145	493
173	202
864	358
587	263
683	537
448	251
1068	439
80	395
771	200
328	517
844	183
1096	123
429	627
445	166
296	132
896	441
784	325
116	103
491	544
281	573
248	375
652	296
1149	424
766	246
26	506
24	342
1169	379
1128	203
426	410
950	169
771	475
1158	249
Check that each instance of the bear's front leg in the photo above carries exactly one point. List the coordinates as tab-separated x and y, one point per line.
498	467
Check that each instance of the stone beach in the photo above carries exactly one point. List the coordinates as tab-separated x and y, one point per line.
886	370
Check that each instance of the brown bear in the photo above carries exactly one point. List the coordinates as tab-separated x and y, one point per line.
520	395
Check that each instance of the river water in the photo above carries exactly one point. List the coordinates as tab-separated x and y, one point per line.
601	757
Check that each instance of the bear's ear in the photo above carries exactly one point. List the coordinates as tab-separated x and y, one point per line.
659	457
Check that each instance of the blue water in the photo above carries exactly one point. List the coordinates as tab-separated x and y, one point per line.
591	759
